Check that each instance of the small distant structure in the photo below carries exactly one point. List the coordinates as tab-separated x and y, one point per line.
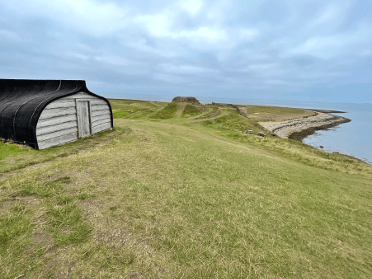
191	100
45	113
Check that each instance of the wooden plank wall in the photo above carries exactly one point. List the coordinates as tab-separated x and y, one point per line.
58	121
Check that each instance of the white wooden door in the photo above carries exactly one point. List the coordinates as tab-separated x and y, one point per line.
83	117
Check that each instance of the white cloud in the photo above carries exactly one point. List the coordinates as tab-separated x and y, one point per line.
113	60
263	67
157	25
204	33
315	44
336	44
327	14
10	36
77	55
87	16
185	69
142	46
160	25
192	6
248	33
168	78
276	82
217	10
366	53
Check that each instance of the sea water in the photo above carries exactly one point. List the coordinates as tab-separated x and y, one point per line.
353	138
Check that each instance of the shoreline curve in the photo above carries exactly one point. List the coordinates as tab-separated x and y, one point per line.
311	130
300	128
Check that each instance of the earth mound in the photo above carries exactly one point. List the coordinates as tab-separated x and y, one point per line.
191	100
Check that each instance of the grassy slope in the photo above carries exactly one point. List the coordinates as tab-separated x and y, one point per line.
166	113
197	200
134	109
190	111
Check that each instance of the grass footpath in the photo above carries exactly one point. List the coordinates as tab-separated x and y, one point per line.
167	197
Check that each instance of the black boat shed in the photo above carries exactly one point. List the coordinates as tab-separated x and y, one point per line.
44	113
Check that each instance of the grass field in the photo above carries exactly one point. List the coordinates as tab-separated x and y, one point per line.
190	111
163	196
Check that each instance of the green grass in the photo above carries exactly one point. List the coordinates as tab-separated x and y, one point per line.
273	110
134	109
13	225
186	198
230	122
166	113
14	157
268	113
214	111
190	111
42	189
9	149
66	223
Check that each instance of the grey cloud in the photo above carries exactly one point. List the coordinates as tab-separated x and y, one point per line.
247	48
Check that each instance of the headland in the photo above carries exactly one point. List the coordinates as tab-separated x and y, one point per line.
300	128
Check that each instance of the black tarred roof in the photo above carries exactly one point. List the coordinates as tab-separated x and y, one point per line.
23	100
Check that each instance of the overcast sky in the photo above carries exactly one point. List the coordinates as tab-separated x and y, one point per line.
309	50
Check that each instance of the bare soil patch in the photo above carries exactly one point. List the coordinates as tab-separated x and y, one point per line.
43	238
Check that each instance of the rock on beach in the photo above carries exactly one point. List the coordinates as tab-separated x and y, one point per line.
286	128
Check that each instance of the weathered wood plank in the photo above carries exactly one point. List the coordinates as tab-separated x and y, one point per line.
100	118
100	112
56	121
100	121
102	127
100	107
56	128
57	112
97	101
58	140
56	134
60	104
94	128
83	118
83	96
80	96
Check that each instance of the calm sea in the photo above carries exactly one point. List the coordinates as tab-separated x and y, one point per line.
353	138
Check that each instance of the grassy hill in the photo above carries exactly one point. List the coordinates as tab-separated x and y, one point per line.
168	196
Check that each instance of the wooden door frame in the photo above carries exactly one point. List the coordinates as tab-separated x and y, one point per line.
90	114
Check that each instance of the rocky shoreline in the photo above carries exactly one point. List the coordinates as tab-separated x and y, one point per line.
298	129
